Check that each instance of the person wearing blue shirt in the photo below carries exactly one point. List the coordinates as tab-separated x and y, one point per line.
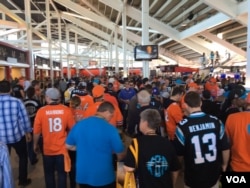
15	128
95	142
6	177
124	97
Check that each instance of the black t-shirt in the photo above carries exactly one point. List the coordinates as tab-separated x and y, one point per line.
201	140
32	107
210	107
16	90
156	160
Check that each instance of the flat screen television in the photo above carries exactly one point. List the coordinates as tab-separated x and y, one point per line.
146	52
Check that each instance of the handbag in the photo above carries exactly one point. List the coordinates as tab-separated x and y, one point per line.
130	180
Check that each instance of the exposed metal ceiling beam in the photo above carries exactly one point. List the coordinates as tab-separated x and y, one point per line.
229	8
204	25
229	46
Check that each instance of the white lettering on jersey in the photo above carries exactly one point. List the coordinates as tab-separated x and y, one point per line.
201	127
54	112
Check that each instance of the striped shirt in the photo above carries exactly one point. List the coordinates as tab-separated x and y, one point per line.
6	177
14	119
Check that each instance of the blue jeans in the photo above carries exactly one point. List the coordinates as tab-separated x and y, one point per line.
52	163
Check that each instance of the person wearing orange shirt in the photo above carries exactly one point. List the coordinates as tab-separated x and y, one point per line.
53	121
108	97
98	93
81	91
212	86
238	132
173	113
77	110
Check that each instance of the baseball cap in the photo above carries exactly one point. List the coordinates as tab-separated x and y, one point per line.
193	85
53	94
98	91
96	80
155	91
178	81
82	84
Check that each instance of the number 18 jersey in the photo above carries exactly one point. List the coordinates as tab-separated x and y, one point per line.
201	140
53	122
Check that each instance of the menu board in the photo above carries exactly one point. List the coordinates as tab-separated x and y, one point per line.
40	61
7	50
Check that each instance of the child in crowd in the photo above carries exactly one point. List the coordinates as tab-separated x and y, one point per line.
75	105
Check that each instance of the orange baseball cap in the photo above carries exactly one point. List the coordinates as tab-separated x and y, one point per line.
213	80
193	85
98	91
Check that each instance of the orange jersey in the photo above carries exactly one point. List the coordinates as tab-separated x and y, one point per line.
182	102
78	113
53	122
110	98
91	110
173	115
238	132
212	88
116	120
86	101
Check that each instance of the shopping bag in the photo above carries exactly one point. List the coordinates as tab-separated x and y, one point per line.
129	181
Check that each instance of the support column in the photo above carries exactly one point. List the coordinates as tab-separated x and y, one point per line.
116	53
145	33
76	53
8	72
49	40
248	52
60	42
29	40
124	39
68	69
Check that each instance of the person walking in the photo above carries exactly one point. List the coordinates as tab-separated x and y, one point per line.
238	131
95	141
53	121
32	105
15	128
203	144
158	164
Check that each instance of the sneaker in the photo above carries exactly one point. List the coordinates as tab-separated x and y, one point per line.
25	183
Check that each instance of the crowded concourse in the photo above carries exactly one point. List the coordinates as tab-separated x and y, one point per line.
56	126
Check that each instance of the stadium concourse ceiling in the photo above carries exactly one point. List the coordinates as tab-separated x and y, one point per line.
183	29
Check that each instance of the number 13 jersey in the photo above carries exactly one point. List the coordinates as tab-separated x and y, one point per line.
201	140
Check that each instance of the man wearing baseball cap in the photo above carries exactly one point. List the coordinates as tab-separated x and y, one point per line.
98	95
52	122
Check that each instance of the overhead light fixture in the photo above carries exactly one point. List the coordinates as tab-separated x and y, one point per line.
190	16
